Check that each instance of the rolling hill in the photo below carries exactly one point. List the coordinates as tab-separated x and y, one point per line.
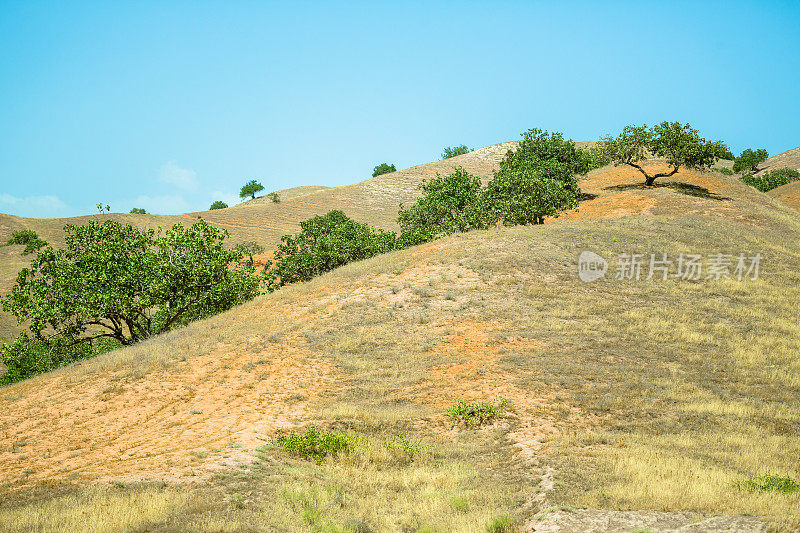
789	194
657	399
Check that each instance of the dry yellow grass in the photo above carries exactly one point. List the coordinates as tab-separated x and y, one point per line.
643	394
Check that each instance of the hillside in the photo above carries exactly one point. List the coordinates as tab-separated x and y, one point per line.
789	194
643	395
787	159
375	201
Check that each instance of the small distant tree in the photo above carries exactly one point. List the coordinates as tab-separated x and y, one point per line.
749	160
218	204
250	189
383	168
138	211
452	151
679	144
103	208
275	197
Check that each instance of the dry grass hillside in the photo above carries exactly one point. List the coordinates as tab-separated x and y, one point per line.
787	159
657	399
789	194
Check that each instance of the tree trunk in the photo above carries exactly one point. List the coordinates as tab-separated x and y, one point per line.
649	180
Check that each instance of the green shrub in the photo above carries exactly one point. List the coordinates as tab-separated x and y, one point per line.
502	524
218	204
138	211
452	151
723	170
410	447
749	160
324	243
476	414
769	483
449	204
537	180
772	179
726	154
315	444
22	236
275	197
383	168
29	238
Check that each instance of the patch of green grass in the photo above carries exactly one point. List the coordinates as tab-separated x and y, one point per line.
502	524
476	414
315	444
768	483
410	447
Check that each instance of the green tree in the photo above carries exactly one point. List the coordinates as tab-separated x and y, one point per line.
383	168
749	160
138	211
249	249
275	197
324	243
452	151
218	204
116	283
679	144
250	189
449	204
537	180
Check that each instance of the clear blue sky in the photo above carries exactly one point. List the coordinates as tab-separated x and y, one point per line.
169	105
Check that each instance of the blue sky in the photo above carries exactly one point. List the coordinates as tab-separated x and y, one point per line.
171	105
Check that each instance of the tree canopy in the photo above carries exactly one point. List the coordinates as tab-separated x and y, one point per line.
679	144
250	189
383	168
452	151
218	204
119	283
749	160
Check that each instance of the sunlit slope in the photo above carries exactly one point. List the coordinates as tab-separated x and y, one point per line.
642	394
789	194
787	159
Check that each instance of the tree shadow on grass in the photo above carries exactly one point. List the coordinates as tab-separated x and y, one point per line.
683	188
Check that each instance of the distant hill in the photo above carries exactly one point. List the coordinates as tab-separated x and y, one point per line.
787	159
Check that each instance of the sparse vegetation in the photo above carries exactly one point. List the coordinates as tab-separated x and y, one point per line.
475	414
771	179
679	144
452	151
383	168
275	197
138	211
771	483
749	160
250	189
315	444
218	204
724	170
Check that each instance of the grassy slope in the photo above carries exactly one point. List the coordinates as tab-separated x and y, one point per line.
644	395
789	194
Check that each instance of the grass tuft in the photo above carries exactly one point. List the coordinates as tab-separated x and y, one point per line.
768	483
315	444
